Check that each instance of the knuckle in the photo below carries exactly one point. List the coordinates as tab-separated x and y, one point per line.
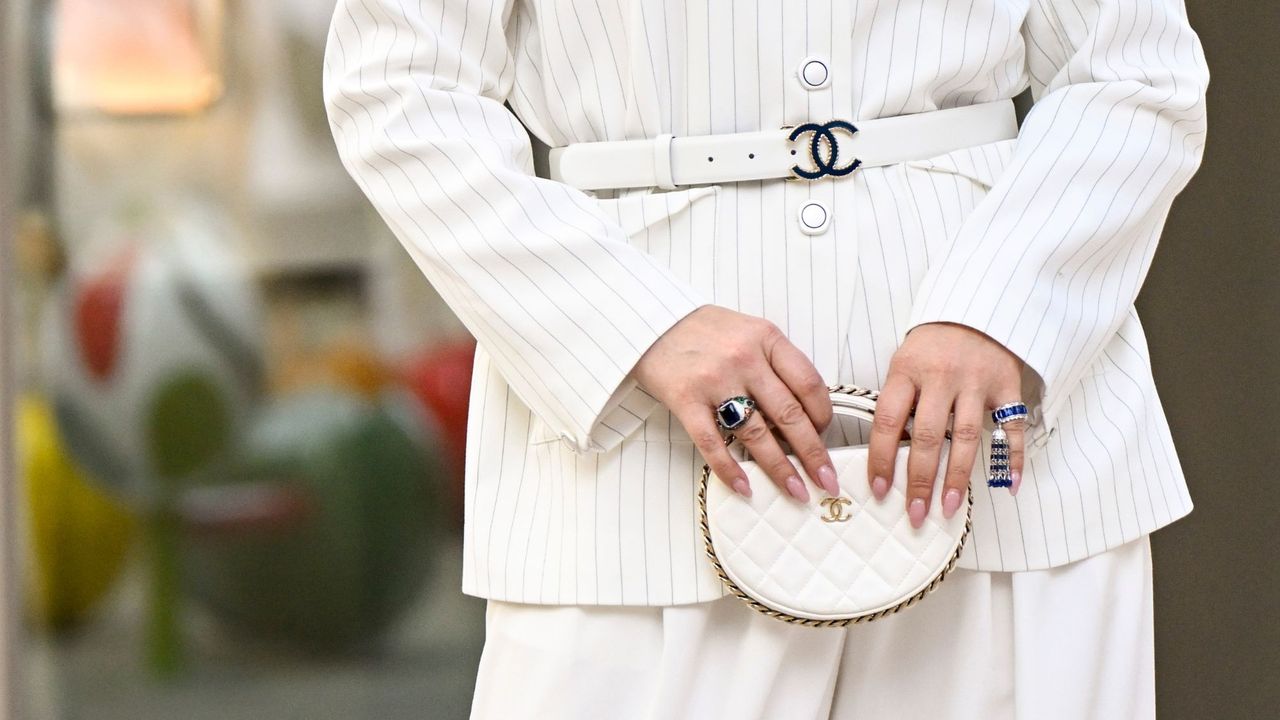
966	432
958	473
926	437
815	456
702	377
783	469
919	483
753	432
726	470
707	440
813	384
738	355
769	332
886	423
790	414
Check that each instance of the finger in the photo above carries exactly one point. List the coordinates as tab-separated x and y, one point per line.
778	403
928	432
892	410
966	430
801	377
768	454
706	437
1016	430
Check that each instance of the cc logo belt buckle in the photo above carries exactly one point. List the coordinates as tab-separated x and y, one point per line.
823	149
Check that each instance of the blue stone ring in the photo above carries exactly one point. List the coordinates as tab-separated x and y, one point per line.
999	474
734	412
1009	413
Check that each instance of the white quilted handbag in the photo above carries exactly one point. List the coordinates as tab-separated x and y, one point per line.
831	561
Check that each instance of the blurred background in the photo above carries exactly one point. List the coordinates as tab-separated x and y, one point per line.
234	410
237	409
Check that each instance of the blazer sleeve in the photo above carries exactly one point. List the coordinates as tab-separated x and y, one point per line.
1052	258
546	282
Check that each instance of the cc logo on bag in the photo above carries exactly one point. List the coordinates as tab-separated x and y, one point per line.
835	509
824	151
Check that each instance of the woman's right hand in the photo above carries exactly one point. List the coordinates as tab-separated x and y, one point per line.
714	353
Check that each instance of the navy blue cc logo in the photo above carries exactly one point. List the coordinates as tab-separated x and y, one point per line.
824	151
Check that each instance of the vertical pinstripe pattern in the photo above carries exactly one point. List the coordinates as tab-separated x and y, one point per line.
580	486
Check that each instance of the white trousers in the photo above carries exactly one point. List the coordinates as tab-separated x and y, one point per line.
1073	642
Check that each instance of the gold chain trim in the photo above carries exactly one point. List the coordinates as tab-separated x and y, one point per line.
809	622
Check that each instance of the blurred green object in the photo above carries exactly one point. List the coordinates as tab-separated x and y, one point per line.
80	535
189	424
324	533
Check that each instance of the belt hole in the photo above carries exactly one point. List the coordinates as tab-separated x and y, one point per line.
751	155
710	159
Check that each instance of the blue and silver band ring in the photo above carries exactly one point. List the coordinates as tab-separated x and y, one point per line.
734	412
1009	412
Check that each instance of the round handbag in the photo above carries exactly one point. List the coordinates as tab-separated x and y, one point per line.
834	560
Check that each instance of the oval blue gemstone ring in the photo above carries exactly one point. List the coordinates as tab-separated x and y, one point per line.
734	412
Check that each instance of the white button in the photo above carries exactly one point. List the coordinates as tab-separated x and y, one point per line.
814	218
813	73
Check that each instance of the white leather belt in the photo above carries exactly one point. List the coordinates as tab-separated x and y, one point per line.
808	151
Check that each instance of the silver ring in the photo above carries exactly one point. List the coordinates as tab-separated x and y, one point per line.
734	412
1009	412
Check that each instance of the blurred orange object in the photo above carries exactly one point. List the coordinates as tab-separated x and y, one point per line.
358	369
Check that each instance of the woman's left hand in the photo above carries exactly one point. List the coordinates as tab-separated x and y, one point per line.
942	368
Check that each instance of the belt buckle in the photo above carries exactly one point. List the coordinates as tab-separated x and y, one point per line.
823	149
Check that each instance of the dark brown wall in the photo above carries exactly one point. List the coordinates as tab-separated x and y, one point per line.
1211	307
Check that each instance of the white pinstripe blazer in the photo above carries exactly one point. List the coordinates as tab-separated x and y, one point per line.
580	485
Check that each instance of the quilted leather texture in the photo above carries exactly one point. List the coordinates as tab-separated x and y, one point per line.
783	554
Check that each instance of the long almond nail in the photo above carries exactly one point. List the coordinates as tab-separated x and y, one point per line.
796	488
916	512
950	502
741	487
1016	478
880	488
827	479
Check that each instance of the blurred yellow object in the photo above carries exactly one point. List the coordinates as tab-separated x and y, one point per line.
358	369
341	365
79	535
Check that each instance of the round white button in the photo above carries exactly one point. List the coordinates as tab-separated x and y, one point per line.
814	218
813	73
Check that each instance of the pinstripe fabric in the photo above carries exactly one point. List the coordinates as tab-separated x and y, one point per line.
580	486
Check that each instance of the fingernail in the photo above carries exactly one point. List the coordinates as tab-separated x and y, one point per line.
879	488
796	488
916	511
1016	477
950	502
827	479
741	487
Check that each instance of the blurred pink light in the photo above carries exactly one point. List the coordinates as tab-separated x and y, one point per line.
137	56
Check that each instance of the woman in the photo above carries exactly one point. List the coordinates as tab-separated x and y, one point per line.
612	320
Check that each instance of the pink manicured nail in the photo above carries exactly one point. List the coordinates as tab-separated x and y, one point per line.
1016	477
916	511
827	479
796	488
950	502
880	488
741	487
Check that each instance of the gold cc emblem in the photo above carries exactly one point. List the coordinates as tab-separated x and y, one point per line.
835	509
